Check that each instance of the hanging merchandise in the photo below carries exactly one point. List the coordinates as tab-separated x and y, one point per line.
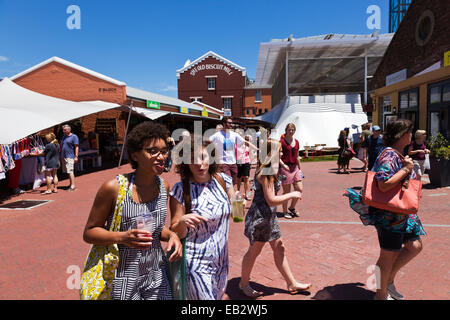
36	145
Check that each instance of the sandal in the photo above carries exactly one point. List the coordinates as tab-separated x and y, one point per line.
46	192
296	290
294	212
250	292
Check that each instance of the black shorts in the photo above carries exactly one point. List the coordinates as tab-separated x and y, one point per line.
243	170
393	241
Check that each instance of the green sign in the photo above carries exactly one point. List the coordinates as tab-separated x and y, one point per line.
153	104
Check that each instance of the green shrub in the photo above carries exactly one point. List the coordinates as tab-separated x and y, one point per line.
439	147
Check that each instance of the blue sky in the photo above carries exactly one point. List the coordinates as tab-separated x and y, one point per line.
143	43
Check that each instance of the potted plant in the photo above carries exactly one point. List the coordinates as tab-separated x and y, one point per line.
439	172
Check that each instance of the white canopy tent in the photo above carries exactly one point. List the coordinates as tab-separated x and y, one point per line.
317	122
24	112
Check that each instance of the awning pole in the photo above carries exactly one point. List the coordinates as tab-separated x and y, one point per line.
365	80
126	131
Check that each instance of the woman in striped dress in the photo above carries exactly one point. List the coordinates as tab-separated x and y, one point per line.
141	273
204	225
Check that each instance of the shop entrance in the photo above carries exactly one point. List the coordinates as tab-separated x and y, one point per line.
439	109
107	136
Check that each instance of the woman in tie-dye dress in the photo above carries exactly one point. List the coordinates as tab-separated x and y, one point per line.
205	226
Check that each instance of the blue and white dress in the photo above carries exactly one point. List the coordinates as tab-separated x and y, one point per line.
206	247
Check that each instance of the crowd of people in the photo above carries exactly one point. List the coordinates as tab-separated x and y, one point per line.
200	209
369	144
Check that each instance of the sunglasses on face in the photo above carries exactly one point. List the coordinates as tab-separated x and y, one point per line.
154	152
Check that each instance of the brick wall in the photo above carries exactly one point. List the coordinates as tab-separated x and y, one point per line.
60	81
404	52
194	84
260	107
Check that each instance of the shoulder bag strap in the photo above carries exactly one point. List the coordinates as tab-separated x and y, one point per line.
221	182
117	217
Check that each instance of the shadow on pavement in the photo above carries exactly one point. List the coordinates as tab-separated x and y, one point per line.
345	291
234	293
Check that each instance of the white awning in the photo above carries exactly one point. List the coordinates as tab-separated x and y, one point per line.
151	114
24	112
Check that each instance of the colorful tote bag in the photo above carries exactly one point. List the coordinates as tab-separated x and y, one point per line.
102	261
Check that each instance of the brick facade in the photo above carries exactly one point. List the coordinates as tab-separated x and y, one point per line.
252	107
404	52
229	82
61	81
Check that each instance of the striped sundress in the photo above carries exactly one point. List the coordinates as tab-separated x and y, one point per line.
141	274
206	247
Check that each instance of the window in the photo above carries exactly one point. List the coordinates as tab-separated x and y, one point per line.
446	93
265	110
404	100
387	104
227	103
211	83
258	95
413	101
409	99
435	94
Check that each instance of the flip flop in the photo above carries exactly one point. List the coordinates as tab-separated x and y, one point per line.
250	292
46	192
297	290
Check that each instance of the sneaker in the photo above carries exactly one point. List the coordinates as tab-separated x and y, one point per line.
17	191
392	291
389	297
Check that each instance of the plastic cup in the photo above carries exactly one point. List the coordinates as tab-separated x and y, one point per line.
144	222
237	208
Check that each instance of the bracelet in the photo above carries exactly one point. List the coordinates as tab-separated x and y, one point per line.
407	170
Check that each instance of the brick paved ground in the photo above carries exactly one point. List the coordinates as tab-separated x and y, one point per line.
327	245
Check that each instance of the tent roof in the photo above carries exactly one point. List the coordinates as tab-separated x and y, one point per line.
24	112
71	65
325	63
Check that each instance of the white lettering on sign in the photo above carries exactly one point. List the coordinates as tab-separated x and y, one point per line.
201	67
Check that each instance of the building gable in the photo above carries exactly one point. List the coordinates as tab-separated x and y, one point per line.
202	64
62	79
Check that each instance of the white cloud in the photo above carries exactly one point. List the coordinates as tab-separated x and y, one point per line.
169	88
3	59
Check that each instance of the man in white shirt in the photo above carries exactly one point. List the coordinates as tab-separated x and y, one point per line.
226	142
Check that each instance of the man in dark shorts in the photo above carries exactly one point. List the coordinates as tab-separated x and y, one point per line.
226	142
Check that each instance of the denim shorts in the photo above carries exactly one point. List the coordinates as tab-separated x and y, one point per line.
393	241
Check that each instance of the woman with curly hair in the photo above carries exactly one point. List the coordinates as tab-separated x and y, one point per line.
201	212
141	273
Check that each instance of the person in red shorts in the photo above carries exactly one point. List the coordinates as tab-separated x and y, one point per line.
290	168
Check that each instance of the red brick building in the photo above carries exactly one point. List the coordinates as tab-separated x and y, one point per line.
62	79
215	81
413	78
257	100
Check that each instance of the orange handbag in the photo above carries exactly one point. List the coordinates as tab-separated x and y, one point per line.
403	198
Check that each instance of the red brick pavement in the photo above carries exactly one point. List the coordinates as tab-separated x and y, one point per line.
333	251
